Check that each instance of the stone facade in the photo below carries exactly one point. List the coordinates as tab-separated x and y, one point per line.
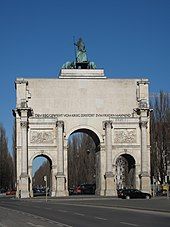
48	111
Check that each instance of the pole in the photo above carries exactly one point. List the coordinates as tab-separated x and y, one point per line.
45	179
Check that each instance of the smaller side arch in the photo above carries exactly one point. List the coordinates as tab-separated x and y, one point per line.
123	153
51	175
39	153
125	170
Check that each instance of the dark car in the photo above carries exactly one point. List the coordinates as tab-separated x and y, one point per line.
77	190
71	191
40	191
133	193
88	189
2	190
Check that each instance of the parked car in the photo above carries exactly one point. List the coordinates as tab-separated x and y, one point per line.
40	191
133	193
71	191
2	190
88	189
11	192
77	190
83	189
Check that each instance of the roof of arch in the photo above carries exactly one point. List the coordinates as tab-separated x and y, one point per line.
85	128
40	154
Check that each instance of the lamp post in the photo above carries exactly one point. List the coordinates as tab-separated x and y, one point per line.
45	179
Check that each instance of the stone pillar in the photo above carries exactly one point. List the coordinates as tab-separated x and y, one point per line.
60	177
101	166
24	178
66	165
144	176
110	189
53	180
137	174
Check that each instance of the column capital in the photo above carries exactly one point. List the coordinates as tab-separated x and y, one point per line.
107	123
143	124
60	124
59	174
108	174
24	175
144	174
23	111
24	124
54	166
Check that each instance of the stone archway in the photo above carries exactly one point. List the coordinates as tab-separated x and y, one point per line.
87	156
50	179
125	171
44	170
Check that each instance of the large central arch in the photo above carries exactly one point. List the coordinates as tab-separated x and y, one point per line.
91	149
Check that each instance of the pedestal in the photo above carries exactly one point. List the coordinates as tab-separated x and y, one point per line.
61	188
110	187
145	183
31	193
24	192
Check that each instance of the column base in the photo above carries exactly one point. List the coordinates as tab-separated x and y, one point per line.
145	183
17	194
31	193
100	192
24	192
110	187
61	187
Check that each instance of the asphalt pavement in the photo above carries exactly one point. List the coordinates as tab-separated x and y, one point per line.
84	211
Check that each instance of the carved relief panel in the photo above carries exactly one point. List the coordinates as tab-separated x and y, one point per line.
125	135
41	136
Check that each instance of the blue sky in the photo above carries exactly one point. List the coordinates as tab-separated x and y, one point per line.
128	38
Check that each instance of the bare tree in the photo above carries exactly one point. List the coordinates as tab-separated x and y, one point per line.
81	159
160	135
14	154
6	162
43	170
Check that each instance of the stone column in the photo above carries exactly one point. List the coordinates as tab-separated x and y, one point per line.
137	174
60	177
109	177
24	183
144	176
101	166
53	180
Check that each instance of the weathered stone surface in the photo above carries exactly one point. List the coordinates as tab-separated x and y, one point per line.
82	99
41	136
125	135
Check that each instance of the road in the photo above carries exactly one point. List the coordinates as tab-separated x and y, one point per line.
84	212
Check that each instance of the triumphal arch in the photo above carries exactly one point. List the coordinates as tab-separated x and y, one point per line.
114	112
